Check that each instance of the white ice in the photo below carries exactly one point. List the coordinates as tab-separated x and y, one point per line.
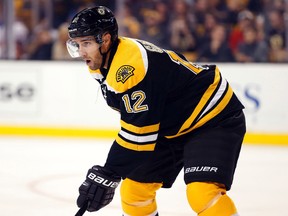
41	176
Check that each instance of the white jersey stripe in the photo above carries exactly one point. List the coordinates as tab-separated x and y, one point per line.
143	53
138	139
216	97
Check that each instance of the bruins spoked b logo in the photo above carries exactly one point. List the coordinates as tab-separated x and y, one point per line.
101	10
124	72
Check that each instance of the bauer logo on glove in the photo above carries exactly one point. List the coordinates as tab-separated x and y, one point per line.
102	181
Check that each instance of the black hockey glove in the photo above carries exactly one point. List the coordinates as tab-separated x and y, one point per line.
98	189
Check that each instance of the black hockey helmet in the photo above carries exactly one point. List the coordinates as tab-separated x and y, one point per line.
94	22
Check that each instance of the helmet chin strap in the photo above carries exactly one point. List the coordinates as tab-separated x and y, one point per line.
104	55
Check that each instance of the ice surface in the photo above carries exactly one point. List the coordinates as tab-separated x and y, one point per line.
41	176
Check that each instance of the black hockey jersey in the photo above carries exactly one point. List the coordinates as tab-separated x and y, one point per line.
160	94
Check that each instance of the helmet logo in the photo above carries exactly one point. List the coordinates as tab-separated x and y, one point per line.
101	11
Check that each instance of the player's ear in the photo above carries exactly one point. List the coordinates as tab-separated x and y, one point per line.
106	38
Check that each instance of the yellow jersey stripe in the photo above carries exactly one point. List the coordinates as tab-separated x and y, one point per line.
140	130
218	95
135	147
201	104
210	115
215	111
178	60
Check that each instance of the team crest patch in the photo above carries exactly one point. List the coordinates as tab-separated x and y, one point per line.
124	72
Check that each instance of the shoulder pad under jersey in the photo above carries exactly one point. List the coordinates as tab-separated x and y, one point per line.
129	66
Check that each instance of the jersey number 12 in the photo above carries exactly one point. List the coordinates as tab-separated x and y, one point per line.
135	103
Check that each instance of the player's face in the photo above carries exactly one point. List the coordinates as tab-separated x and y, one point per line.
87	49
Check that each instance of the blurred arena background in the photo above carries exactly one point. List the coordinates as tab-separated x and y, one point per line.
54	123
205	30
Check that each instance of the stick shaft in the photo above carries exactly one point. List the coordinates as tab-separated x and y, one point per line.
82	210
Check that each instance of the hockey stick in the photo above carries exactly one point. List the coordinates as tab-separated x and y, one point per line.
82	210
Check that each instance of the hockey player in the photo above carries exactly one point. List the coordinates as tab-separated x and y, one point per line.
174	115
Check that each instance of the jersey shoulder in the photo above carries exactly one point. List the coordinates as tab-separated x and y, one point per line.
129	65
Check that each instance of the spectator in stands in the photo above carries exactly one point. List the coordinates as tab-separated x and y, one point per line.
182	37
260	26
251	50
140	7
163	10
245	20
41	48
276	36
210	21
152	17
199	9
59	50
129	26
218	8
60	12
217	50
151	30
20	33
1	31
279	5
234	7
